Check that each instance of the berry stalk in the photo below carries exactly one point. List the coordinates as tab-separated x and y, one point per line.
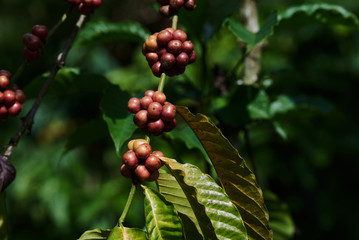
128	204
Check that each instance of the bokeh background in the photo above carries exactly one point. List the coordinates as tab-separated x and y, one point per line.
60	191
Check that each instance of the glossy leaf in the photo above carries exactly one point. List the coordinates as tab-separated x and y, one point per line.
217	216
101	32
259	108
124	233
95	234
320	12
172	192
115	114
236	178
162	221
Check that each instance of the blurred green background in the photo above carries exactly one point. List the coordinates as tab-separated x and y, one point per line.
306	156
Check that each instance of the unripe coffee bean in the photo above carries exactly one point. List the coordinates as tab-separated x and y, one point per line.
151	43
169	125
143	151
130	144
138	142
40	31
168	60
155	126
180	35
140	119
159	96
4	82
146	101
9	97
20	96
151	58
130	159
168	112
126	172
15	109
176	5
174	46
31	41
153	163
31	55
134	105
163	38
149	93
142	173
187	47
156	69
154	110
182	60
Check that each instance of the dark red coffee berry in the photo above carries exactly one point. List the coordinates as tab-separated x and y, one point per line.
9	97
163	38
174	46
5	73
175	71
149	93
146	101
96	3
187	47
165	11
168	112
143	151
40	31
130	159
134	105
155	126
153	177
154	110
170	125
151	58
168	60
192	57
83	9
156	69
158	154
87	3
180	35
31	41
20	96
182	60
176	5
140	118
126	172
4	82
3	112
15	109
142	173
159	96
161	51
1	97
153	163
144	49
31	55
190	5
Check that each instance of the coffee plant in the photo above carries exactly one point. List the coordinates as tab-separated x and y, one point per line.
159	113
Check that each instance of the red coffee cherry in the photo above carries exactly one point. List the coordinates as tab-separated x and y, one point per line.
142	173
155	126
130	159
169	125
160	97
144	49
153	177
187	47
174	46
175	71
149	93
138	142
146	101
156	69
5	73
87	3
20	96
134	105
161	51
40	31
180	35
182	60
190	5
96	3
1	97
31	55
168	60
9	97
4	82
3	112
15	109
83	9
176	5
126	172
165	11
153	163
140	118
143	151
168	112
163	38
192	57
171	30
31	41
151	58
154	110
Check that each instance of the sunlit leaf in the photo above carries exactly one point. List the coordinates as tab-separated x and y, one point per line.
95	234
259	108
172	192
237	179
162	221
124	233
281	105
217	216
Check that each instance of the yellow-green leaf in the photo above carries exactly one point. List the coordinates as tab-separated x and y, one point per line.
236	178
124	233
95	234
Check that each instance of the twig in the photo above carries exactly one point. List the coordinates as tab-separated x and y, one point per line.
59	63
128	204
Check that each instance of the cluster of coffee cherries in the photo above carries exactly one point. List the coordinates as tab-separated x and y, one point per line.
168	52
85	6
34	41
140	162
171	7
10	99
153	113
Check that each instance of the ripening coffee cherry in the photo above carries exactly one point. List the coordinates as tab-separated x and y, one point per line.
142	173
146	101
40	31
3	112
165	11
20	96
5	73
31	55
176	5
190	5
126	172
134	105
168	60
153	177
140	118
155	126
163	38
169	125
156	69
151	58
187	47
151	43
31	41
182	60
15	109
96	3
130	159
149	93
180	35
153	163
4	82
138	142
143	151
154	110
9	97
159	96
130	144
168	112
174	46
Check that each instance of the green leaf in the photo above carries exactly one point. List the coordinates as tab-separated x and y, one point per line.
217	216
240	31
266	29
162	221
102	32
280	130
281	105
95	234
280	218
172	192
319	13
236	178
88	133
124	233
115	114
259	108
